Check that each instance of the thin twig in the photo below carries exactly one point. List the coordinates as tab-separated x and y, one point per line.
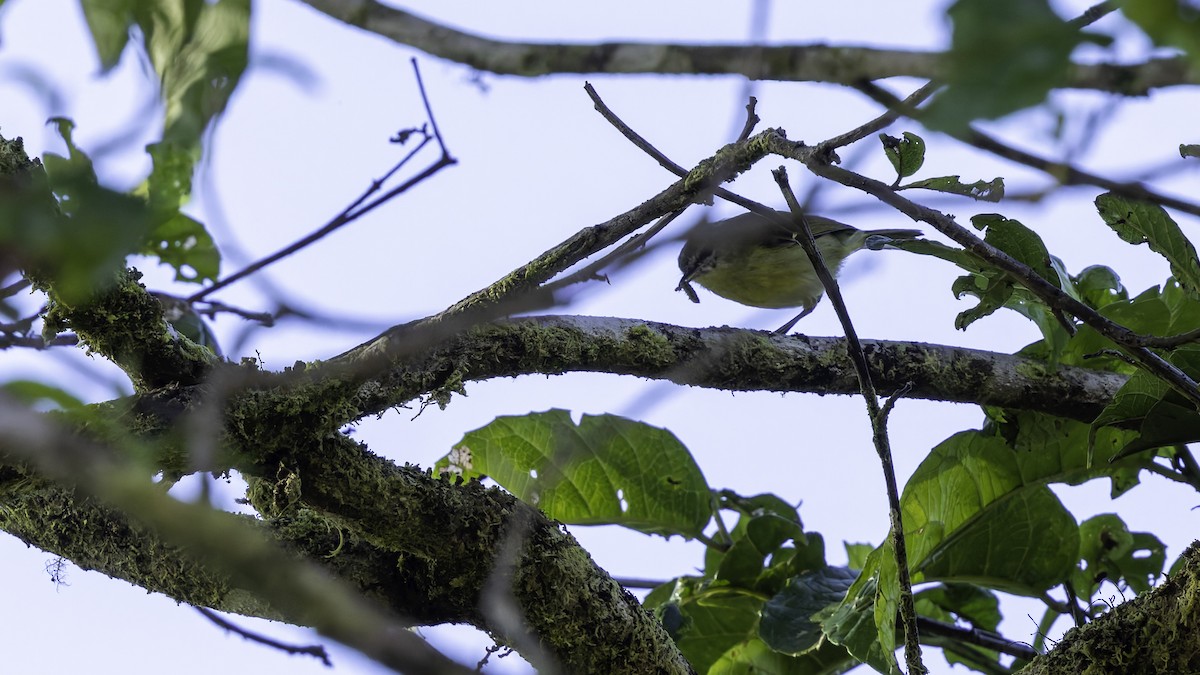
353	211
978	637
654	152
1043	289
1065	174
908	612
882	122
1093	14
315	651
14	288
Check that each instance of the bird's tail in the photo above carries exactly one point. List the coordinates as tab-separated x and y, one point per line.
877	239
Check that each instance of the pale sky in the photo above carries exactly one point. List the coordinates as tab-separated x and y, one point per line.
308	130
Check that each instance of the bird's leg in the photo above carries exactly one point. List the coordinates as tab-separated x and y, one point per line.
782	330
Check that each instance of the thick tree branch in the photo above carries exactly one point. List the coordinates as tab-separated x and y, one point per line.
721	358
794	63
1151	633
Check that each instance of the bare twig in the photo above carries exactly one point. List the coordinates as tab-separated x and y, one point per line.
878	418
976	636
315	651
356	209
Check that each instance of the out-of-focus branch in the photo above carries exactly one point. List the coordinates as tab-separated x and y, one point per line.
793	63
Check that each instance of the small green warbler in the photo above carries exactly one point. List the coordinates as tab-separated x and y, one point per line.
758	261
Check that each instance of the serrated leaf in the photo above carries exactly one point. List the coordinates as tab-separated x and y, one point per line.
787	618
1145	223
605	470
984	191
906	154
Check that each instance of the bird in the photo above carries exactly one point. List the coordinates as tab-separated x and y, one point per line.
757	260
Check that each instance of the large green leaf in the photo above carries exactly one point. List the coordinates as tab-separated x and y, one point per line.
787	618
605	470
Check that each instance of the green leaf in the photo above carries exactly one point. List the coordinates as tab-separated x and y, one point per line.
35	393
1145	223
1170	23
1111	552
906	155
1004	56
977	508
852	623
983	191
184	244
713	621
787	619
857	553
753	657
763	535
109	22
1099	286
958	601
87	241
1189	150
1161	416
606	470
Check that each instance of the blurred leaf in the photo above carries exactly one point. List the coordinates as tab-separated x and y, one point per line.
1004	56
1169	23
787	619
984	191
906	155
1189	150
34	393
606	470
109	22
1145	223
81	247
185	245
857	553
753	657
